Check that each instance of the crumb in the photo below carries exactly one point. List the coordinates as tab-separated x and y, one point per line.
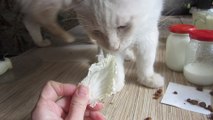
148	118
210	108
111	103
193	102
211	93
175	92
202	104
184	103
199	88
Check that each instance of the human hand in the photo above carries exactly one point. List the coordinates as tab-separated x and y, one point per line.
65	102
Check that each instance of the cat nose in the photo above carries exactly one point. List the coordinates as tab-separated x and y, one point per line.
115	47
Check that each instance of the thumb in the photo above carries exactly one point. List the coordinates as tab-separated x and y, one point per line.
78	103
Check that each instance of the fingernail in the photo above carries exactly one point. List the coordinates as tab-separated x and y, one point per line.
82	90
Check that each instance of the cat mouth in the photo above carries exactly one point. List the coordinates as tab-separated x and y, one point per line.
111	50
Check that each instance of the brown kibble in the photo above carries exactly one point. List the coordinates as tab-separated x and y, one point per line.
210	108
193	102
159	91
188	100
157	94
211	93
202	104
199	88
148	118
175	92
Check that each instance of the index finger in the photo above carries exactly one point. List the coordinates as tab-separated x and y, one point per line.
54	90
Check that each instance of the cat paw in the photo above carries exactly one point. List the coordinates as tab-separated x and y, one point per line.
44	43
154	81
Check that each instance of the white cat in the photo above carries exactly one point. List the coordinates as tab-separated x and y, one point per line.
119	26
43	13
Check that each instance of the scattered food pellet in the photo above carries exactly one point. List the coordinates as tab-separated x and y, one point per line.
158	94
199	88
193	102
175	92
159	91
148	118
210	108
211	93
202	104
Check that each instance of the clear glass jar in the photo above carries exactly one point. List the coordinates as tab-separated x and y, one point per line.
176	45
198	67
202	19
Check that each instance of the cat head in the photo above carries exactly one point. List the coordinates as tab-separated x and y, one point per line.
109	22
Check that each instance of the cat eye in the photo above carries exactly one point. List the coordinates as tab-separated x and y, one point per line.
97	33
122	27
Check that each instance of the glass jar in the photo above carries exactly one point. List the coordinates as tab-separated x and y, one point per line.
176	45
198	67
202	19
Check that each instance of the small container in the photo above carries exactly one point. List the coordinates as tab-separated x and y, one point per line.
176	46
198	67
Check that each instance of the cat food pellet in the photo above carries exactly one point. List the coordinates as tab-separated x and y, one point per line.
148	118
175	92
211	93
158	94
202	104
159	91
193	102
199	88
210	108
188	100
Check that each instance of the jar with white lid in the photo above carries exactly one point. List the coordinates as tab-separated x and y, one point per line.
198	67
176	46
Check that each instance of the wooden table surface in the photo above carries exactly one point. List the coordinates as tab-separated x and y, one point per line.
20	87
